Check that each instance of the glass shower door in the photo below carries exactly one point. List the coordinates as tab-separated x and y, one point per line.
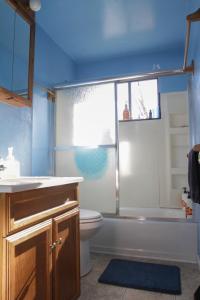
86	143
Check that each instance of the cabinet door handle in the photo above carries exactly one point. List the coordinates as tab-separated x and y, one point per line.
59	241
53	246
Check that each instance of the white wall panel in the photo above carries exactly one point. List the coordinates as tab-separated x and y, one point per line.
142	163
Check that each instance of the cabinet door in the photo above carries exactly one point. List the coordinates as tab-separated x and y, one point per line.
29	262
66	257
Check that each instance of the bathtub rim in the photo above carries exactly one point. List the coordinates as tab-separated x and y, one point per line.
146	219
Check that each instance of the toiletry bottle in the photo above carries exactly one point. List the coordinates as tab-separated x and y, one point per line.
12	165
184	197
189	206
126	113
150	114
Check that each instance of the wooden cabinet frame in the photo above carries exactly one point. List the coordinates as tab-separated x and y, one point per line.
65	245
22	8
17	240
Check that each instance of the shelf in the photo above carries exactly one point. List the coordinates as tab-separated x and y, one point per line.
179	130
178	119
13	99
178	181
178	171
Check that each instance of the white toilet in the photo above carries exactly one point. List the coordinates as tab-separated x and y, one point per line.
90	222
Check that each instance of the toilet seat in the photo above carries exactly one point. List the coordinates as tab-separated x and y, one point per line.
89	216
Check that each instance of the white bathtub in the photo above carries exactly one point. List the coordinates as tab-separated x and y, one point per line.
166	240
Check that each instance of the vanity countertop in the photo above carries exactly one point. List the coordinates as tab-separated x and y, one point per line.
29	183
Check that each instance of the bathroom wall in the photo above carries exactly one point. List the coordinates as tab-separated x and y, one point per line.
15	130
194	95
42	133
52	65
29	130
130	65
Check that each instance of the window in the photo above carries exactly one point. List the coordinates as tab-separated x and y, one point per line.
138	100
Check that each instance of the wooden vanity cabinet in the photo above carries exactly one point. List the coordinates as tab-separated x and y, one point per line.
41	260
66	282
29	263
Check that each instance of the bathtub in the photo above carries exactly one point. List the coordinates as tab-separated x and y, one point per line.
155	239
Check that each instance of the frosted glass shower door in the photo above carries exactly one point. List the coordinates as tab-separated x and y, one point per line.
86	144
85	116
97	192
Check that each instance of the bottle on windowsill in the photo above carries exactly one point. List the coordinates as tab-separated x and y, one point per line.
126	113
150	114
184	198
189	207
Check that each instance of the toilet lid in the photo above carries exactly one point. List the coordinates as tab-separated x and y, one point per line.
86	214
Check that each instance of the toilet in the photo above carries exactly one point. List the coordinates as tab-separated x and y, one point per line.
90	223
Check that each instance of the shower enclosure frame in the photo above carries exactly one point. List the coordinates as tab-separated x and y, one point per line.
116	81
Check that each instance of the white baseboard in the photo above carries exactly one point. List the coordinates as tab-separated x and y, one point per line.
139	253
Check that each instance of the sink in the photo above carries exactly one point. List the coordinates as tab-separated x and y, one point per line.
21	180
24	179
34	182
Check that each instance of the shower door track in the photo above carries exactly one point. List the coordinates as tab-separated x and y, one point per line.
150	219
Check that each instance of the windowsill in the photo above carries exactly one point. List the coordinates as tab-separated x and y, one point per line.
153	119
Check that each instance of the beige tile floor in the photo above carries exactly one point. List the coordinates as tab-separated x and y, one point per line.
92	290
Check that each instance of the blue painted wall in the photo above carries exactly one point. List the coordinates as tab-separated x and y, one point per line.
42	133
29	130
194	95
15	130
130	65
52	65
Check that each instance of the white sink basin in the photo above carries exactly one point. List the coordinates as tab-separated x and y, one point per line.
28	183
23	180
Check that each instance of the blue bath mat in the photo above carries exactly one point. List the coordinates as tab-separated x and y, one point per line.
143	276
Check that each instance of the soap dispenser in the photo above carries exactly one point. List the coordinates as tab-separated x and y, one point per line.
12	166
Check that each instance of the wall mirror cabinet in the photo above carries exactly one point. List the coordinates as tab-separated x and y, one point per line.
17	36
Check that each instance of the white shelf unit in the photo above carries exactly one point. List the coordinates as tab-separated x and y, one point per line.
177	136
178	171
179	130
